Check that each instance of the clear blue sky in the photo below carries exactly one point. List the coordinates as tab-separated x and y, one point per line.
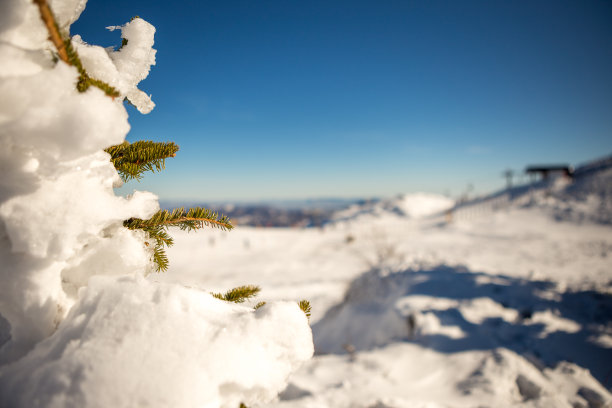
323	98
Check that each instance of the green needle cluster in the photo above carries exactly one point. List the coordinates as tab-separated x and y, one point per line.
133	159
157	226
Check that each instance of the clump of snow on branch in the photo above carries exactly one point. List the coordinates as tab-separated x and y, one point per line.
86	327
126	67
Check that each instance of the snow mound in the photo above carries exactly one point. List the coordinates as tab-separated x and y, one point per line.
131	342
414	205
421	205
451	309
366	318
588	198
504	375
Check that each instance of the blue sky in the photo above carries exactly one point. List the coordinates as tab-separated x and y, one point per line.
309	99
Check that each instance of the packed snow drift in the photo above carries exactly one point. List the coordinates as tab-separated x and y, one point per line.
81	326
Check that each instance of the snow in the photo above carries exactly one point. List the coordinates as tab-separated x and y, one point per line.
20	25
499	303
81	325
502	301
192	350
420	205
126	67
415	205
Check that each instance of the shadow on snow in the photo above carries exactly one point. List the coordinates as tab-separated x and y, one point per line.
429	307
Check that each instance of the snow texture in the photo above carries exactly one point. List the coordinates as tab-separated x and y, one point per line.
126	67
80	325
132	342
56	194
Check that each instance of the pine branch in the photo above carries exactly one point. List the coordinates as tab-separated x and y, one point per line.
68	54
192	219
162	240
258	305
156	228
239	294
160	258
133	159
306	308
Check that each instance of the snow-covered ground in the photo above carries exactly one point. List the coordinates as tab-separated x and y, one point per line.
498	303
502	301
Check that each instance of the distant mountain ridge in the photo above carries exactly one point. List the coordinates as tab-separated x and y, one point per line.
274	213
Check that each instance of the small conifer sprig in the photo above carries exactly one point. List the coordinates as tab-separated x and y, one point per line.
156	228
239	294
133	159
306	308
242	293
258	305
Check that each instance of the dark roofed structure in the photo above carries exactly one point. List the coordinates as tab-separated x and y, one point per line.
548	169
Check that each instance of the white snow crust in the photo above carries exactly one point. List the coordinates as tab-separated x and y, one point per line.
126	67
80	324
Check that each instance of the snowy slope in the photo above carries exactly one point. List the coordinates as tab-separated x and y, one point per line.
586	198
505	304
415	205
